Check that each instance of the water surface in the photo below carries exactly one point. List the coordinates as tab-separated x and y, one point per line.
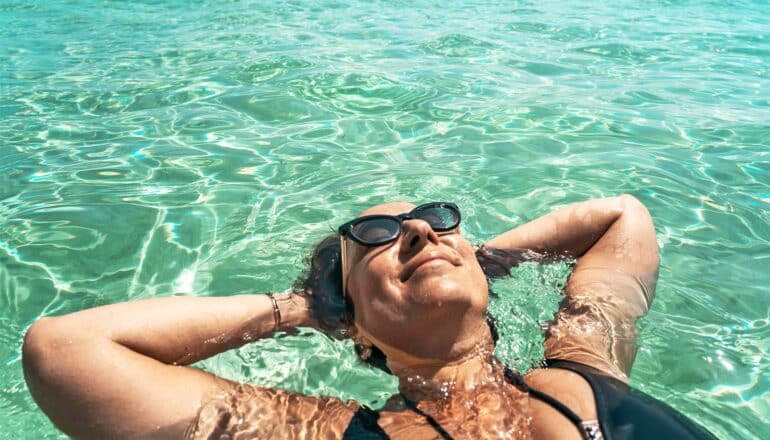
203	147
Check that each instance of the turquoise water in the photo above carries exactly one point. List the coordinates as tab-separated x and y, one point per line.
203	147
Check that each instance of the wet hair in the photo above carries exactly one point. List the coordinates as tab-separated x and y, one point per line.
321	283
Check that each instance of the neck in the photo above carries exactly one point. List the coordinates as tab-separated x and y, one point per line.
437	380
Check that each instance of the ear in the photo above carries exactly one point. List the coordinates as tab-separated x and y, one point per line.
363	345
357	336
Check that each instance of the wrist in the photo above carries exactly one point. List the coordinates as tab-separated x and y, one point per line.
292	311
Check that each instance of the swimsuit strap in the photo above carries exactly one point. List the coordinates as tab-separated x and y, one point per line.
364	425
588	429
440	430
366	420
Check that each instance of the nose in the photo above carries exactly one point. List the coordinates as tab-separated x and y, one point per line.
416	234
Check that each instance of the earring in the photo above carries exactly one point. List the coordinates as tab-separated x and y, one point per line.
364	352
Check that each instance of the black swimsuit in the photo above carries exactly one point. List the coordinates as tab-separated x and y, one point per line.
624	414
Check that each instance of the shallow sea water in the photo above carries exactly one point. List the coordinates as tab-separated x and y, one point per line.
203	147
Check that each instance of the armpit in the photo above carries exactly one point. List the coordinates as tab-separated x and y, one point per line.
249	412
596	323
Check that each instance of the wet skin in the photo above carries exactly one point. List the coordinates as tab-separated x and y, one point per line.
431	285
421	300
423	283
445	304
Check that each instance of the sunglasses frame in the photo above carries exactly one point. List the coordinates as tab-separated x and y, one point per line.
345	231
347	228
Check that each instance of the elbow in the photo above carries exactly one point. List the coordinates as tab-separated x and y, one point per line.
632	207
639	223
630	202
39	336
35	356
37	352
47	361
44	355
50	362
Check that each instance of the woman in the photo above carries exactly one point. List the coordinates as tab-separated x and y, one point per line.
412	292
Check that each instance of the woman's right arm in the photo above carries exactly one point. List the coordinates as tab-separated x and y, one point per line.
119	371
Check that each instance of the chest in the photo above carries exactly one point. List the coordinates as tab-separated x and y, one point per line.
500	414
482	414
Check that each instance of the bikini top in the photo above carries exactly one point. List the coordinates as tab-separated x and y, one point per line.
624	413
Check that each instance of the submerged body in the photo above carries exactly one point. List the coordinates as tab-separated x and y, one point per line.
414	294
494	409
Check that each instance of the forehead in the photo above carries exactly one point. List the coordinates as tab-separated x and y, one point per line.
393	208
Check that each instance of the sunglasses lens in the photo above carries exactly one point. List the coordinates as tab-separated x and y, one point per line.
375	231
383	229
440	218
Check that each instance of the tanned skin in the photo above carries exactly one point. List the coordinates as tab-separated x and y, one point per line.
120	371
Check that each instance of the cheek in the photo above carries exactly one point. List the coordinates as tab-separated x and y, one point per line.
372	274
375	292
474	272
480	280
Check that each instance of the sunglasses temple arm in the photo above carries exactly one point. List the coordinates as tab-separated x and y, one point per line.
343	256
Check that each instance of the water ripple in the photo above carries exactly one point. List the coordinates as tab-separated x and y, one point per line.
146	149
458	45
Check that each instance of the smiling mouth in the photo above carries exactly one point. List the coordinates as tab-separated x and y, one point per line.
428	262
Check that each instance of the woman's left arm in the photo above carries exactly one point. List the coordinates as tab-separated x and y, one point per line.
612	284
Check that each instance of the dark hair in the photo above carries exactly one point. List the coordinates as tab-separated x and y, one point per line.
322	285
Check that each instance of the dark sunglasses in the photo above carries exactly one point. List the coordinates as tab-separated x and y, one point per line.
379	229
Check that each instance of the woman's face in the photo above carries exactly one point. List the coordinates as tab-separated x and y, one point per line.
421	296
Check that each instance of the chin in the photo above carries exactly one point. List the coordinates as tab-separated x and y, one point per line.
445	291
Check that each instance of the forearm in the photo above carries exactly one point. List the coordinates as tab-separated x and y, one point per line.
115	371
567	232
176	330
